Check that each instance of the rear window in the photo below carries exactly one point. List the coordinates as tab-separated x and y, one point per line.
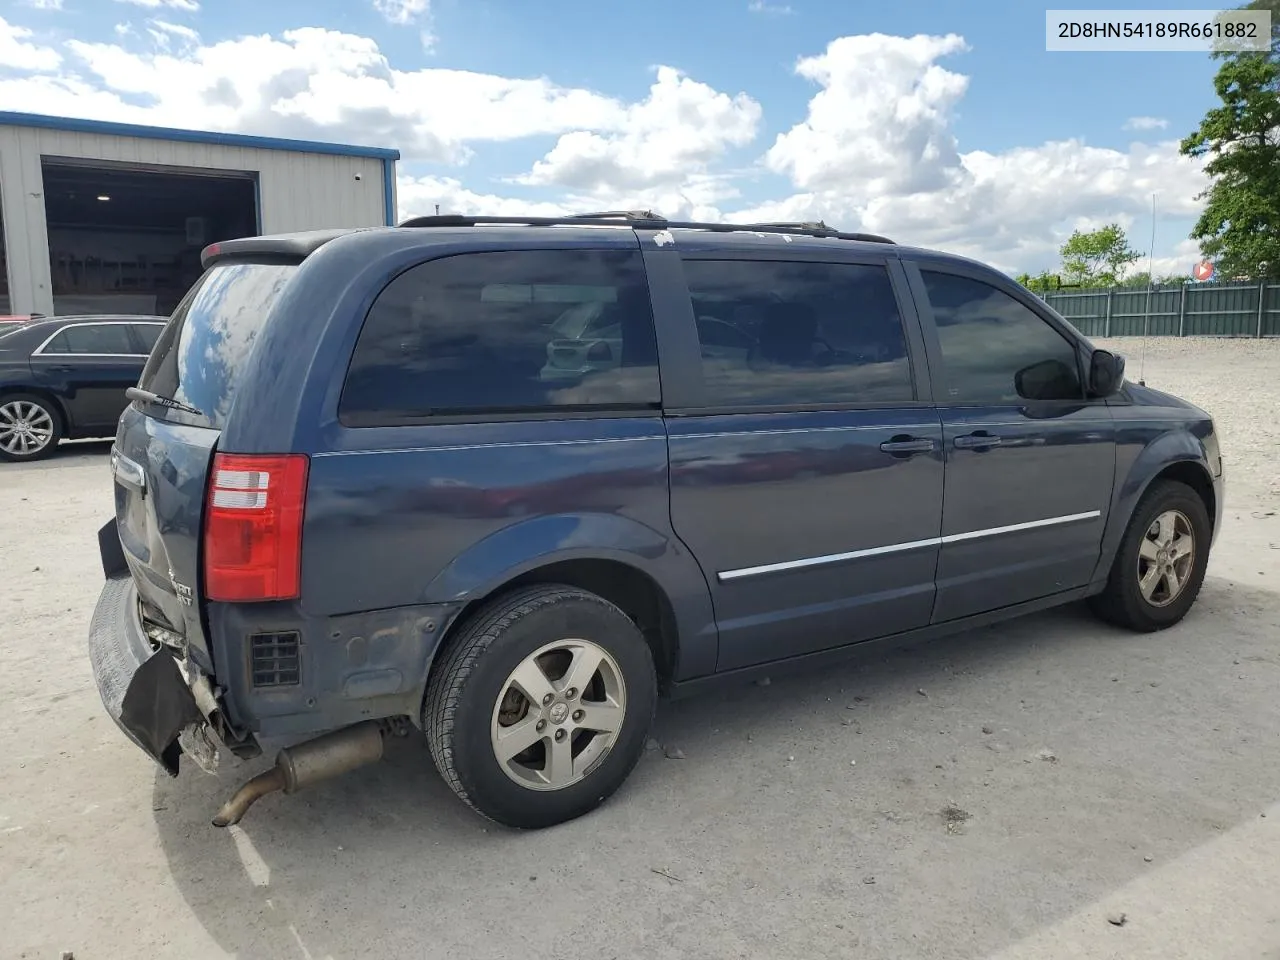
506	332
201	353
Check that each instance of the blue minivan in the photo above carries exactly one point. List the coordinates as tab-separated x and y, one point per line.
508	480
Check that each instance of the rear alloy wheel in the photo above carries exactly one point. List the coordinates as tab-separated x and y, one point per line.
1160	564
29	428
559	714
541	705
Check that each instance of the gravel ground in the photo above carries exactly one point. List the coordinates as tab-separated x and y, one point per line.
1001	794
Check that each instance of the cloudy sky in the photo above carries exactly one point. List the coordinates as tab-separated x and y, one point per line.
941	124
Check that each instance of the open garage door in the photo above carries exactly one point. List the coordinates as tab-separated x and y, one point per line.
126	239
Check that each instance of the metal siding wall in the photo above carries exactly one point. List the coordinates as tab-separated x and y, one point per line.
312	191
26	237
299	191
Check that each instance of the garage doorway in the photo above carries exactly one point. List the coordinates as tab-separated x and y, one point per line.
125	239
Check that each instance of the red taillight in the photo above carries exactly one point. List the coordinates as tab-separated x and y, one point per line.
253	527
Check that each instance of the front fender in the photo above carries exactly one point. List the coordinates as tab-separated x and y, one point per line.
1143	452
538	542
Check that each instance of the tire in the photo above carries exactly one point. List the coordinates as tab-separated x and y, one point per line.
474	699
1124	602
41	420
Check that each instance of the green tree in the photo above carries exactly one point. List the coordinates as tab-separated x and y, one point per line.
1162	280
1240	225
1041	283
1097	258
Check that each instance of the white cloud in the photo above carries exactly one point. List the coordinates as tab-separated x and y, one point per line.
775	9
162	32
1146	123
17	53
418	196
44	4
877	152
403	11
1186	254
880	120
664	143
311	83
187	6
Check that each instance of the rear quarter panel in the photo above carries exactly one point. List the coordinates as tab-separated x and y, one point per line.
451	512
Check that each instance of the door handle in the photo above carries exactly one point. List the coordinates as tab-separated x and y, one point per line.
976	441
1022	442
907	445
59	368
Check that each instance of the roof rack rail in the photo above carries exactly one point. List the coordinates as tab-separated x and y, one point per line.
643	220
798	225
618	215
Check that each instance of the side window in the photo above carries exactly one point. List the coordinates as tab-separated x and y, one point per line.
510	331
994	349
780	332
147	334
90	338
58	344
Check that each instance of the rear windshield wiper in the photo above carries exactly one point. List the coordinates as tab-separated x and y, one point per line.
137	393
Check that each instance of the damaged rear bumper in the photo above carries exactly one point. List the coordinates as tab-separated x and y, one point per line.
163	708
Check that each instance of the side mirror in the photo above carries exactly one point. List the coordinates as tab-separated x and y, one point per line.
1106	373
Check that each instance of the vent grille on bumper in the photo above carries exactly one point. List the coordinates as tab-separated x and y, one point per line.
274	660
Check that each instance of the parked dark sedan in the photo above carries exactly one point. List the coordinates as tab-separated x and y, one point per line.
64	378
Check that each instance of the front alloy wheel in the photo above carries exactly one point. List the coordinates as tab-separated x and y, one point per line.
1166	557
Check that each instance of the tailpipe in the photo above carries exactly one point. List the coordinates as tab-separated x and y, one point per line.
300	766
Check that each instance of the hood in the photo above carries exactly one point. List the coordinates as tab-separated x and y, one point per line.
1150	396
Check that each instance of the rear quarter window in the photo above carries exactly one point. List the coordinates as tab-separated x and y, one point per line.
200	355
506	332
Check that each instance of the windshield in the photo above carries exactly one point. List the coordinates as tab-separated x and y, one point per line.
203	349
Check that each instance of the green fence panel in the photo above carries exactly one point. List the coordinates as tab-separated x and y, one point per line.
1222	311
1087	312
1271	311
1194	310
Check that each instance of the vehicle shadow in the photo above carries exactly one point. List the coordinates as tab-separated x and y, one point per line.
72	450
953	796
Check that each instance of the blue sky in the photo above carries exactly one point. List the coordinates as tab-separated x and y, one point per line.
943	124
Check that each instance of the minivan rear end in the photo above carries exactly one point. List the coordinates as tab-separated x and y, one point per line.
191	525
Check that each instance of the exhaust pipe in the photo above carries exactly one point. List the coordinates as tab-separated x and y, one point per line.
300	766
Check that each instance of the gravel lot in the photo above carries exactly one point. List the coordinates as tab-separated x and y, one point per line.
995	795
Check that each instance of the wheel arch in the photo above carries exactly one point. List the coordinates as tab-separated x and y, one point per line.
1177	455
1196	476
647	575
